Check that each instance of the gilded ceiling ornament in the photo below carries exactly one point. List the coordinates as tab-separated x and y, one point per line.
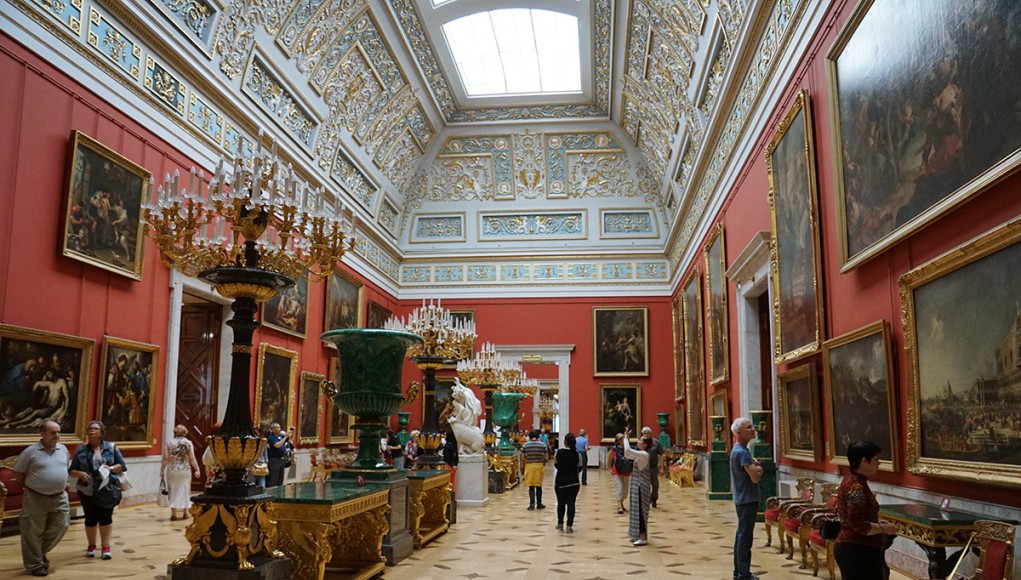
236	37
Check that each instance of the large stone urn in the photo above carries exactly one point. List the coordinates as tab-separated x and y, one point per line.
369	367
505	415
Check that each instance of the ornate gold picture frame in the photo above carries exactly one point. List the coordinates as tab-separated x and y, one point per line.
620	407
311	402
345	298
716	317
46	376
794	249
962	335
620	341
859	383
338	425
288	310
275	385
127	391
103	223
694	361
676	320
800	430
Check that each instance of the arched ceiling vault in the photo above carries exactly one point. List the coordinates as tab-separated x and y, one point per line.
594	190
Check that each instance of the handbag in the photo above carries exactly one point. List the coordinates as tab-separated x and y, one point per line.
163	498
830	529
260	469
108	496
122	477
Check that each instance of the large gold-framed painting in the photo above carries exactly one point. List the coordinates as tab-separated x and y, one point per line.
43	376
859	383
338	422
311	401
620	341
620	409
288	310
125	394
930	124
103	223
694	361
800	430
676	320
344	298
275	385
716	307
962	334
794	247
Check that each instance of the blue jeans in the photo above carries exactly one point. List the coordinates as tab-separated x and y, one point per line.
534	495
743	540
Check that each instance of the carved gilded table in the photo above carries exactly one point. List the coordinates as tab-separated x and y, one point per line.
429	493
507	464
934	530
331	526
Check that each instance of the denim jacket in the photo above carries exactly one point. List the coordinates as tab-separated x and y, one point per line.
83	460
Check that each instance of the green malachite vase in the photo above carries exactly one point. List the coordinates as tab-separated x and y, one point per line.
369	384
505	415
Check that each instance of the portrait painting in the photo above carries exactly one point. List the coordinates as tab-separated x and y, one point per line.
962	335
288	310
620	406
343	303
338	422
676	321
800	432
859	383
126	390
103	221
442	400
716	307
43	376
920	130
376	315
794	247
276	372
694	361
310	408
621	341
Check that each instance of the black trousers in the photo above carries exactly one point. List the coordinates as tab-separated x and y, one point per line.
276	472
566	497
860	562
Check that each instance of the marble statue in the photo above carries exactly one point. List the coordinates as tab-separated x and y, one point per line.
464	421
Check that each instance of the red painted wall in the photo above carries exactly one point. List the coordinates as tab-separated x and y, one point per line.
870	291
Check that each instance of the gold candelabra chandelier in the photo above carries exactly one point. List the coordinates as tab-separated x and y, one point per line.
197	229
547	407
488	368
522	384
445	337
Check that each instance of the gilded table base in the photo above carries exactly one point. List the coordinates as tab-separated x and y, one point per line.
429	501
234	534
344	538
508	465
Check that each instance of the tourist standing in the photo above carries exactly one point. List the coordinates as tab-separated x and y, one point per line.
565	483
860	548
41	469
89	463
277	442
536	456
641	489
655	452
745	473
179	464
581	444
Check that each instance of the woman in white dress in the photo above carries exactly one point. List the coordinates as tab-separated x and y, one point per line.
179	466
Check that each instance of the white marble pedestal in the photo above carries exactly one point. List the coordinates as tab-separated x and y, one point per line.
472	480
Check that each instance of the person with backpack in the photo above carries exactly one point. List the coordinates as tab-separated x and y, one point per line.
621	468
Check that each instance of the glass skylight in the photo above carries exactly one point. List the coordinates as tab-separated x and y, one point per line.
516	51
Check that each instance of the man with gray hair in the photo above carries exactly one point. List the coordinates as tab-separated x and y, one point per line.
745	473
655	451
45	513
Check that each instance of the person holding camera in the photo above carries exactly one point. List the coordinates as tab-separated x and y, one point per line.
277	446
745	473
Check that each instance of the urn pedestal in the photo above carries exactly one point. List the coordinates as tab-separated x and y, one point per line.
762	449
719	461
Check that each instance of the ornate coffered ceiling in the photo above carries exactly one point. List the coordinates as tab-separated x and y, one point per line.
595	190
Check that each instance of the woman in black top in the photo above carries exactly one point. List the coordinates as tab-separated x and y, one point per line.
566	484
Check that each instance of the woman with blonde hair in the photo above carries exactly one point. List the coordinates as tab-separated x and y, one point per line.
179	466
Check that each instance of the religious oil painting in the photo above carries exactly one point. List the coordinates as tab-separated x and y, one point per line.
716	307
275	385
800	431
376	315
288	310
343	303
441	402
677	320
931	123
621	341
620	406
962	334
310	409
339	427
43	376
794	247
126	392
694	361
103	223
859	383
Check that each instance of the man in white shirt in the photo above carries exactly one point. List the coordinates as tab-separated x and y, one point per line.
45	513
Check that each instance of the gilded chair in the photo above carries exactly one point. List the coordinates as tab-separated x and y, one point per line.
682	472
996	542
798	520
776	508
3	498
817	545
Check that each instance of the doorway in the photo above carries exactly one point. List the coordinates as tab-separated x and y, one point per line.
198	366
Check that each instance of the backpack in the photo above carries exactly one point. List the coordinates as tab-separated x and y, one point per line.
621	464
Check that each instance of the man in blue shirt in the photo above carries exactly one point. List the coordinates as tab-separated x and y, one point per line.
745	473
581	444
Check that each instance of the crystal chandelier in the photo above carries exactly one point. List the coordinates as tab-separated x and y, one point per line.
445	338
259	202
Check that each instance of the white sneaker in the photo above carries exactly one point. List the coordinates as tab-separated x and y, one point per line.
639	542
